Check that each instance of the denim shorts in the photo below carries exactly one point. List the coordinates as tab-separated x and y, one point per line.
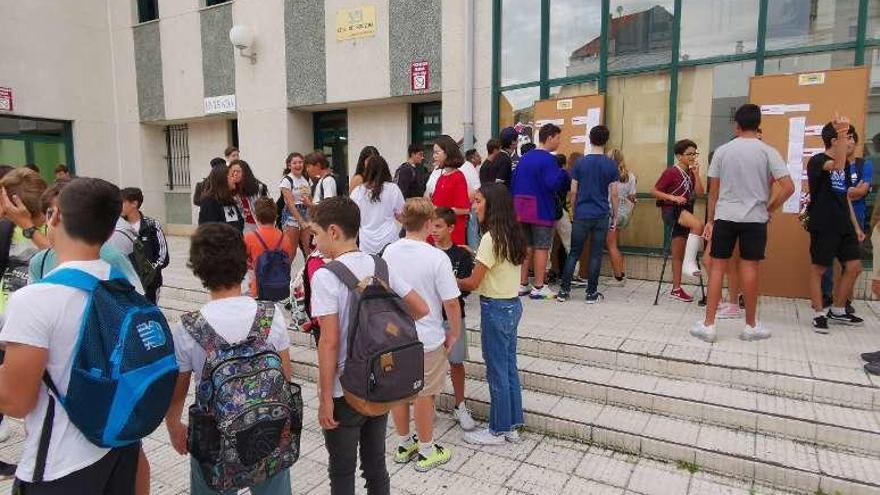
289	220
538	236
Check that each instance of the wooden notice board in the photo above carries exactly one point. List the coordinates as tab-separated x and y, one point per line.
790	102
575	116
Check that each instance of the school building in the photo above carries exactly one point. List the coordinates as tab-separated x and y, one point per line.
146	92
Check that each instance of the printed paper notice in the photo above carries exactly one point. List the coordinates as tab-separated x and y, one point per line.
579	120
773	109
565	104
795	162
556	122
813	130
800	107
578	139
812	79
594	116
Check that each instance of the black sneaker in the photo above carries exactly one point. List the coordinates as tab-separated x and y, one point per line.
594	297
873	368
563	296
850	310
7	470
820	324
871	357
845	319
826	301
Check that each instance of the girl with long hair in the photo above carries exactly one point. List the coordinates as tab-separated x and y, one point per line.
246	191
381	203
218	199
294	186
626	197
361	166
495	276
452	187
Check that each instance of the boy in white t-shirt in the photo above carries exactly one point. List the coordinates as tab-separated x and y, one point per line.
336	222
429	271
40	333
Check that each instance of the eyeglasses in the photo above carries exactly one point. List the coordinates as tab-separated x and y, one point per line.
692	154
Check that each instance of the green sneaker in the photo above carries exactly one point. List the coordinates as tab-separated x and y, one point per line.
439	455
406	454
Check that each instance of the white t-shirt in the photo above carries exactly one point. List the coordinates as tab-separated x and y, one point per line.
232	319
471	176
326	188
49	316
331	297
297	183
123	235
431	277
379	226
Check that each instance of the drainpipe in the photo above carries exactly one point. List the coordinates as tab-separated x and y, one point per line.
468	131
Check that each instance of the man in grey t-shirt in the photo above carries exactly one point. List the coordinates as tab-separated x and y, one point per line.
739	207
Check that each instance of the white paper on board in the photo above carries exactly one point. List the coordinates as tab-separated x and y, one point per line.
579	120
557	122
799	107
594	116
813	130
578	139
795	161
796	127
773	109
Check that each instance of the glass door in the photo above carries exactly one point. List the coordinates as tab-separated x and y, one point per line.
427	124
45	143
331	138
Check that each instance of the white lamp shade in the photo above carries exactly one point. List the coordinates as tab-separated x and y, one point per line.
241	36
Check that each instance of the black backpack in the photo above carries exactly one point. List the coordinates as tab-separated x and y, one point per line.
280	204
140	260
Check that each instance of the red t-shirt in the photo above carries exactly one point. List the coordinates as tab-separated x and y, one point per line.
676	182
452	192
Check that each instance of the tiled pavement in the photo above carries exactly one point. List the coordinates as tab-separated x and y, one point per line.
796	411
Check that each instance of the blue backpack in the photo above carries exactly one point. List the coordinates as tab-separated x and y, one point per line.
124	370
273	272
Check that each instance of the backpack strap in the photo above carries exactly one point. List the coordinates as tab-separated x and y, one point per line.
343	273
78	279
381	269
45	431
202	332
262	321
262	241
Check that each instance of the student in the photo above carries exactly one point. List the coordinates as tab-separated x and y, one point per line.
361	166
218	258
536	183
231	153
407	176
433	279
324	185
246	191
493	148
266	236
200	185
149	233
462	266
452	188
473	156
593	180
218	202
738	210
294	187
41	329
496	278
380	202
626	197
62	172
835	232
346	432
502	166
676	190
872	359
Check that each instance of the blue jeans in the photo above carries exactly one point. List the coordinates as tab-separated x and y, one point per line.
828	282
499	319
597	230
473	231
276	485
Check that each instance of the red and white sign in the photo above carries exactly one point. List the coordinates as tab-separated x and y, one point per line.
419	76
6	99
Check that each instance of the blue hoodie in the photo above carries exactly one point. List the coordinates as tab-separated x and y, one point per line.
536	182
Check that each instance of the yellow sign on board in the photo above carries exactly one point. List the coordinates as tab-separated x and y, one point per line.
355	23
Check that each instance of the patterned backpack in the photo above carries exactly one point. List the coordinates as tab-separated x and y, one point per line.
246	422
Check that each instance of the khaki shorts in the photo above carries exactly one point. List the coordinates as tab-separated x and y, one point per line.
436	366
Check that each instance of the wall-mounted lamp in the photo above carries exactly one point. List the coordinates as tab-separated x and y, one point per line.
242	38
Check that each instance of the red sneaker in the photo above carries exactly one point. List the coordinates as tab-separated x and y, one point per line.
680	295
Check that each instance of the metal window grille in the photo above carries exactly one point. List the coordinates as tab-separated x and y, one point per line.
177	155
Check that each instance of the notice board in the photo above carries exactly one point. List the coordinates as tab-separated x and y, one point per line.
794	108
575	116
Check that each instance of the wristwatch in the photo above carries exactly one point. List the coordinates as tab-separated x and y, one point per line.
29	232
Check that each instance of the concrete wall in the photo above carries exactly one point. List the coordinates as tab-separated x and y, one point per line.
148	65
181	58
305	52
218	54
357	69
207	139
415	35
387	127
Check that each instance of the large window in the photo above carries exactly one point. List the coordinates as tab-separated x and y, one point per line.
874	18
575	36
800	23
148	10
517	106
639	33
808	62
520	41
44	143
718	27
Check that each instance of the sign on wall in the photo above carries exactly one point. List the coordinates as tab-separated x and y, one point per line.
6	99
419	76
220	104
355	23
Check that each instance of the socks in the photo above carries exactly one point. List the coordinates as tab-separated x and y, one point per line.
817	314
407	441
838	311
425	448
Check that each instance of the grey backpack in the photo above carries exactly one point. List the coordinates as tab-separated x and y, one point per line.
385	363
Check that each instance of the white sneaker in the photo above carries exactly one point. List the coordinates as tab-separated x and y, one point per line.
484	437
704	333
524	290
4	430
544	293
512	436
758	332
465	420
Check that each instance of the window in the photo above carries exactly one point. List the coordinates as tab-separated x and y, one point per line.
639	33
873	19
331	138
517	106
575	37
209	3
799	23
520	41
177	155
579	89
808	62
148	10
718	27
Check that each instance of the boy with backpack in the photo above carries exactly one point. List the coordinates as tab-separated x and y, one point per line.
57	355
243	430
433	279
149	247
269	253
347	430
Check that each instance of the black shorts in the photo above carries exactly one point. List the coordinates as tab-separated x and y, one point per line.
752	238
113	474
826	246
670	219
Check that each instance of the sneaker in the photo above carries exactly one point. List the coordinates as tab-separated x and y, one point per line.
704	333
728	311
524	290
595	297
758	332
845	319
578	282
7	470
562	296
463	415
871	357
873	368
484	437
513	437
406	454
680	295
544	293
850	310
820	324
439	456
